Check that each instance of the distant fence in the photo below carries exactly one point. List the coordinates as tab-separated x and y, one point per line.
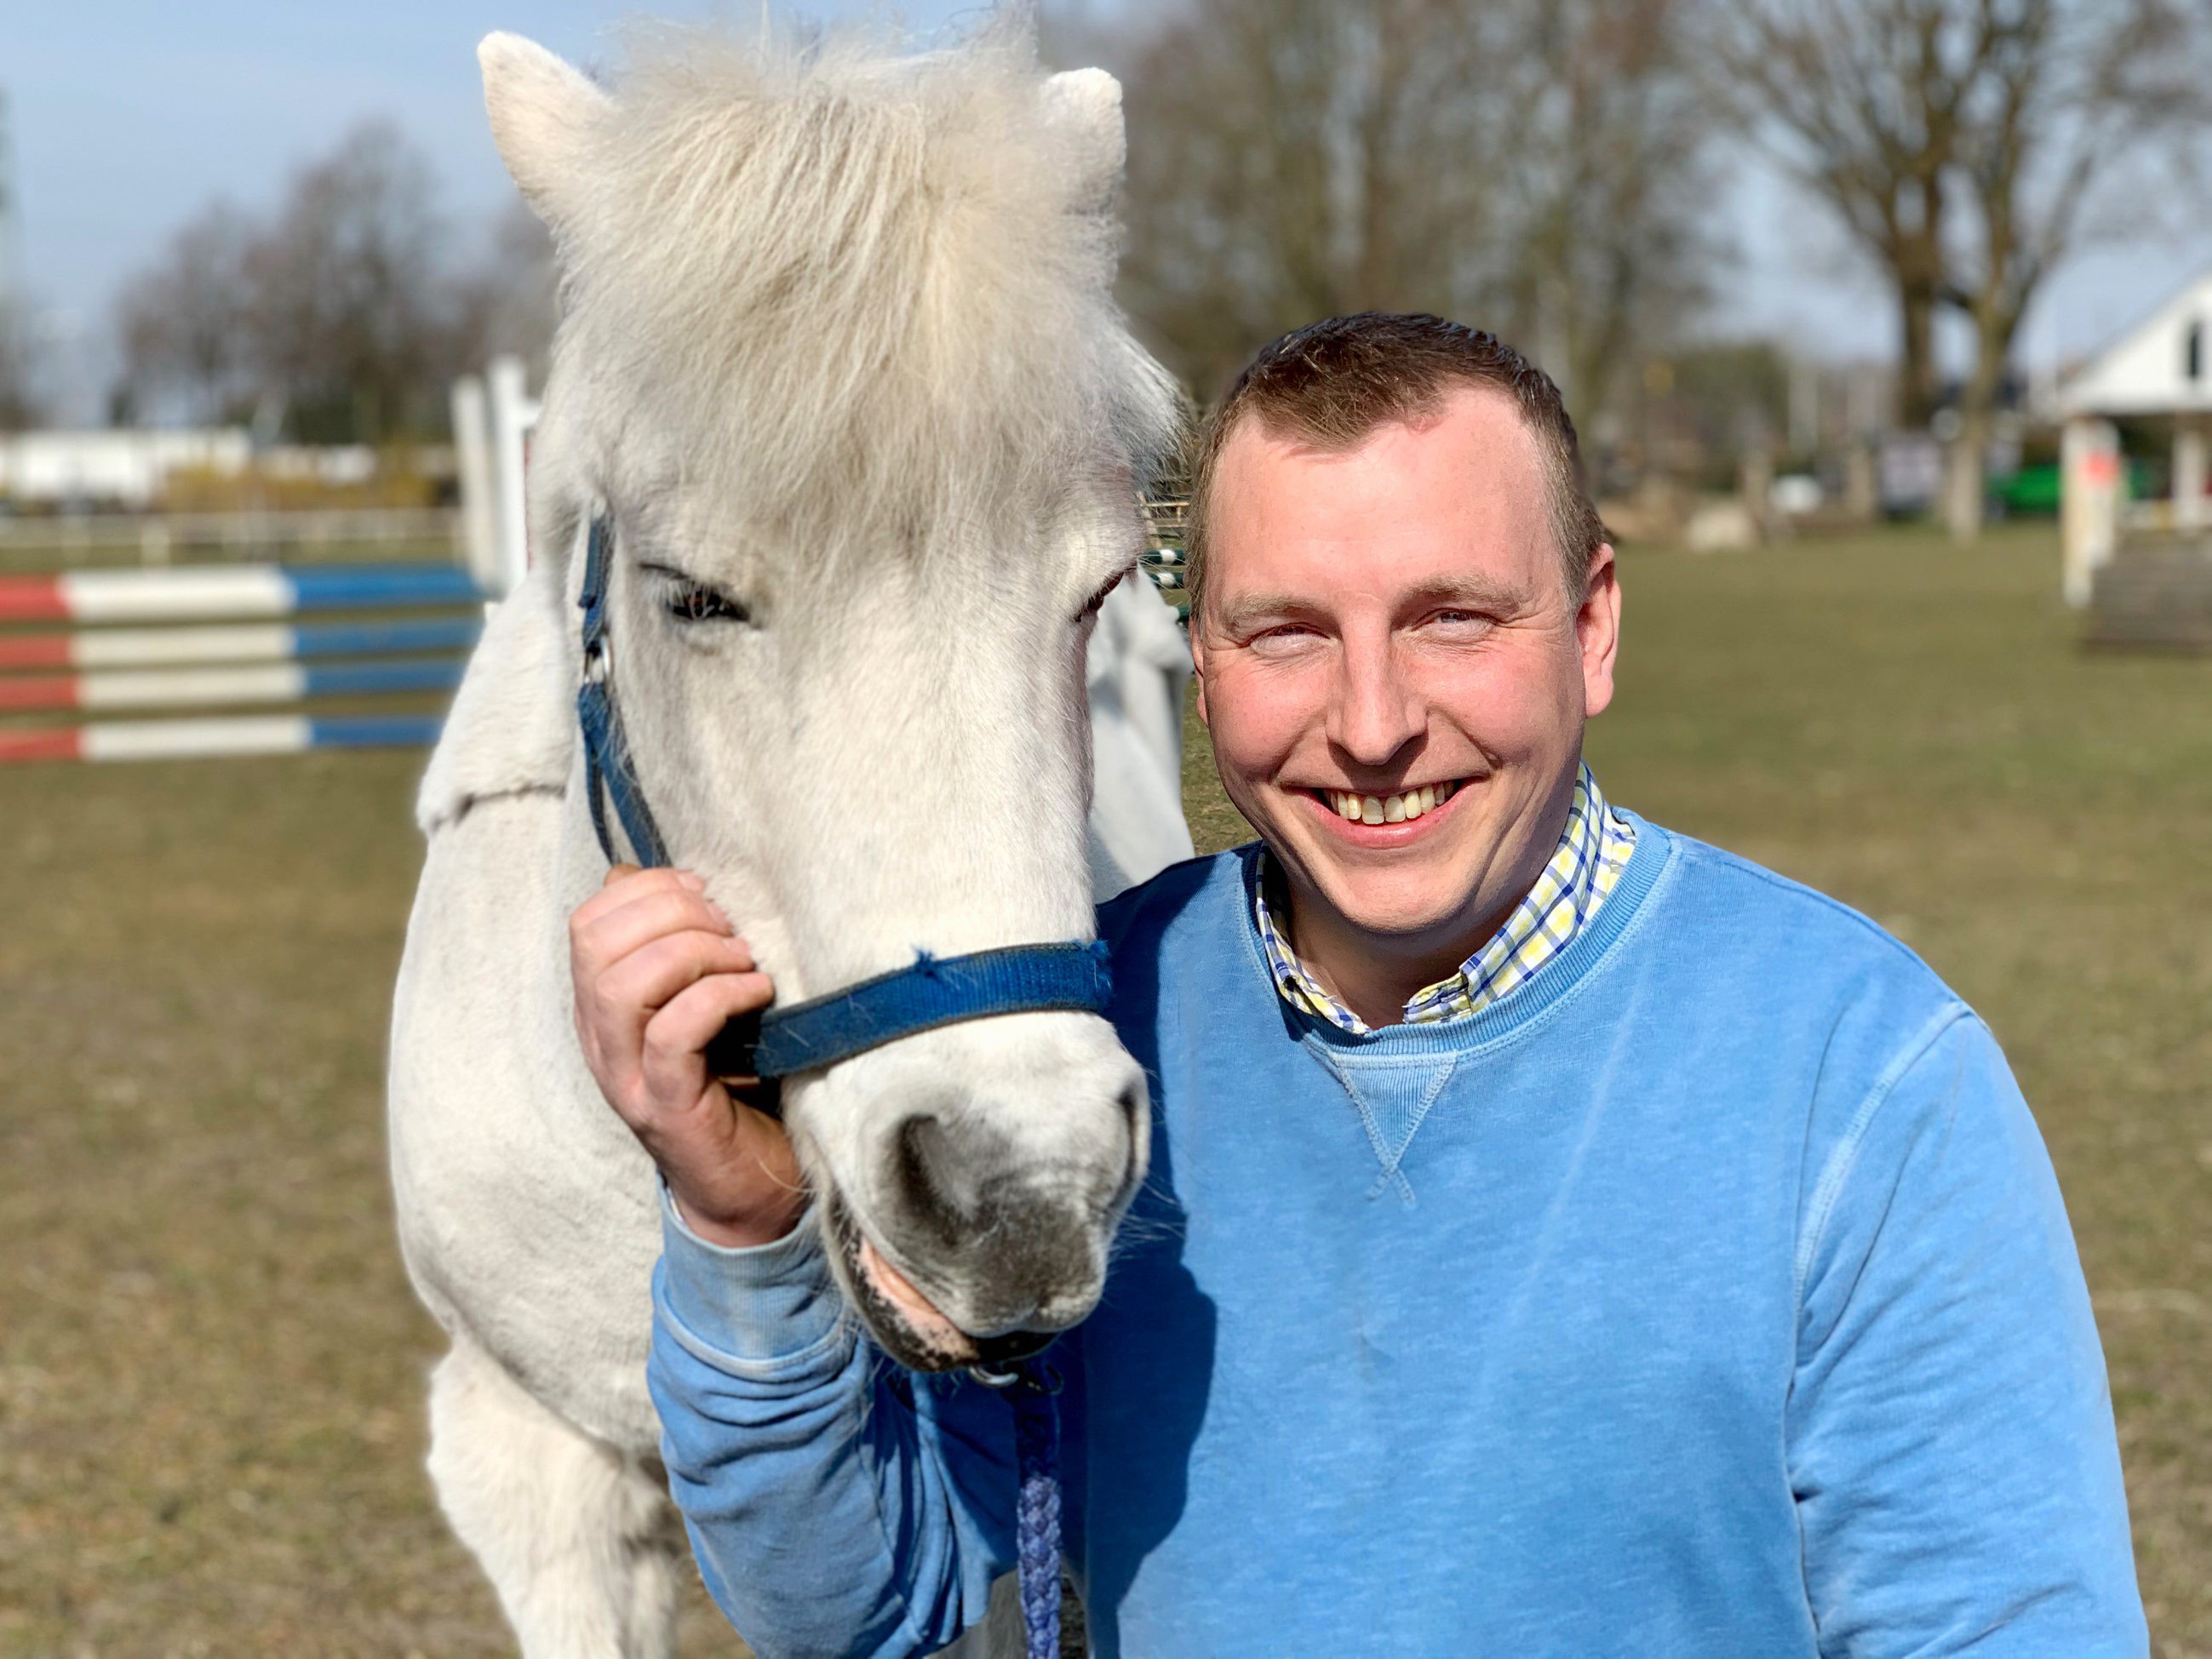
1166	524
154	540
175	664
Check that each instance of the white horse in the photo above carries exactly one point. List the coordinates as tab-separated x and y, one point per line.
840	364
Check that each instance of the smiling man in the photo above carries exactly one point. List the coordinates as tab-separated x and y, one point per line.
1564	1238
1406	610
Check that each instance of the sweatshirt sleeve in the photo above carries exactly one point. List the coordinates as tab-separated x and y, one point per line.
837	1504
1950	1431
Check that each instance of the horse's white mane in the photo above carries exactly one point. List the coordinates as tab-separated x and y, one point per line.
865	278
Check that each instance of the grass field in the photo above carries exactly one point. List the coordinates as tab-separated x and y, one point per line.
210	1367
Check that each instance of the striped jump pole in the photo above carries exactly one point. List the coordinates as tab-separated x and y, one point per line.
150	647
241	660
261	734
178	688
229	591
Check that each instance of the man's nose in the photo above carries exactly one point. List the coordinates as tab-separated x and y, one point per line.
1377	710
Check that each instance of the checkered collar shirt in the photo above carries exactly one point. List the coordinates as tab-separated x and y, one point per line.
1594	849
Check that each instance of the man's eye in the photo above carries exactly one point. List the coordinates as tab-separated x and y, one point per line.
695	602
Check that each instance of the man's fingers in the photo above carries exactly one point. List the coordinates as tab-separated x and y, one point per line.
626	882
673	1054
650	975
619	1002
658	972
599	945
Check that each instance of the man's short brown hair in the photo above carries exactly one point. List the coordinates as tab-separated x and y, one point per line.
1335	383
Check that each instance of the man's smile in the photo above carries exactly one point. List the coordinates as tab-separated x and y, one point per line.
1383	821
1388	809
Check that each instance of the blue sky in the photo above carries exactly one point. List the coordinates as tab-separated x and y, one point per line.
128	116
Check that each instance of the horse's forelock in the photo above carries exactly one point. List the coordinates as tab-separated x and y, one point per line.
856	284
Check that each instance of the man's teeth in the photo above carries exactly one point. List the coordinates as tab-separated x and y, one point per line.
1389	809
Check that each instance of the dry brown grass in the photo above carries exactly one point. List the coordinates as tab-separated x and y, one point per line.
210	1367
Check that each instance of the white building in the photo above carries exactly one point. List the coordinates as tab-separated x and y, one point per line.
2161	369
111	468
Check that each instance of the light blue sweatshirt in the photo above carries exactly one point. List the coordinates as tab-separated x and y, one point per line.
1710	1295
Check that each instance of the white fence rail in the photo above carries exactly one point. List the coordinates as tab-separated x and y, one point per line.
154	539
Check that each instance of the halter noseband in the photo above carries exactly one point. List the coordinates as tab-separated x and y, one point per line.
806	1036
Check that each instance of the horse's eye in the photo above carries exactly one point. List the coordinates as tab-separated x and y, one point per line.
1090	607
695	602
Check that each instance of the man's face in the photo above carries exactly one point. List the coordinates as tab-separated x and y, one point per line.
1393	618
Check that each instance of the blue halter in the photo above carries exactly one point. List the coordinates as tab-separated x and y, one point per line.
807	1035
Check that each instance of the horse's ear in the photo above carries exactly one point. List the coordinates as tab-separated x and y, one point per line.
1087	103
541	111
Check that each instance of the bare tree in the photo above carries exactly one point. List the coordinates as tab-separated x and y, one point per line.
19	404
182	322
348	309
348	300
1291	159
1512	162
1864	97
1607	219
1961	142
2072	97
509	302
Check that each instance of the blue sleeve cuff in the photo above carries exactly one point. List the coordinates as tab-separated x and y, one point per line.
764	1305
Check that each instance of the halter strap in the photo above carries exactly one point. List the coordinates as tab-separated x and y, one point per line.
935	991
609	774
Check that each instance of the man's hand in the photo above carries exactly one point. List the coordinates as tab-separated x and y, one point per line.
658	972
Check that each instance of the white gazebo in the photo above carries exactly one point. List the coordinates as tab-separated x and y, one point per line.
2161	368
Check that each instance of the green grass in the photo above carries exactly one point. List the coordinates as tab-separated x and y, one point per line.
211	1368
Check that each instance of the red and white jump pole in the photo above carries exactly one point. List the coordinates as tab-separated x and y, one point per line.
269	734
228	590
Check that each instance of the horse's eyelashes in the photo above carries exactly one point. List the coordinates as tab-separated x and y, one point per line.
695	602
1091	607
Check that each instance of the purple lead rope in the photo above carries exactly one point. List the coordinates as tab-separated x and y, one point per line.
1037	1507
1037	1455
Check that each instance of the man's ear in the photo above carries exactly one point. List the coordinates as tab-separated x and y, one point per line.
542	113
1198	668
1597	628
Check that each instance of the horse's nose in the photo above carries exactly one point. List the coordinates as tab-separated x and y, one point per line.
1022	1247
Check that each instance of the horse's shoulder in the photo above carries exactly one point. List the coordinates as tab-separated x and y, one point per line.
511	729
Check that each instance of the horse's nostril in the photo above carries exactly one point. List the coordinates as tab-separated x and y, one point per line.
1136	1106
928	1165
